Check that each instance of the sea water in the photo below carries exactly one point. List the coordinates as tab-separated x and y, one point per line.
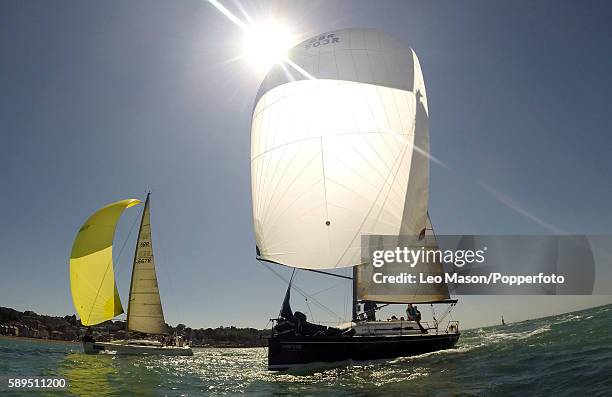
565	355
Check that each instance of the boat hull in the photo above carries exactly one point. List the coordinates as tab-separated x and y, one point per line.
130	349
288	352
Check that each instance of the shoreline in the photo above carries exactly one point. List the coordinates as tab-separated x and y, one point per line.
72	342
38	339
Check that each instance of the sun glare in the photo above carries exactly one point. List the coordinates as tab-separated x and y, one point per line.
267	44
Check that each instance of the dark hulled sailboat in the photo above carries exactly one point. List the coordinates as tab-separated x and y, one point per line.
296	342
340	150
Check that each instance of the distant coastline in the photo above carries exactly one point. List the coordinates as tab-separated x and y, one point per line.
11	337
34	326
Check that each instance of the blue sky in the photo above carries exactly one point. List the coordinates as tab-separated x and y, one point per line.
102	100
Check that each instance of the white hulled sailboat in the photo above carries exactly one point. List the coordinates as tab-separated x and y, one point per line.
94	291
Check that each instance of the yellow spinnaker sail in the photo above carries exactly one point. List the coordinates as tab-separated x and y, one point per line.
92	279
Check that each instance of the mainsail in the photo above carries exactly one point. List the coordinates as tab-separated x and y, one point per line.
368	290
92	278
145	312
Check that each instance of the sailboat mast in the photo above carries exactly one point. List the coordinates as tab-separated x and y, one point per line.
144	210
355	301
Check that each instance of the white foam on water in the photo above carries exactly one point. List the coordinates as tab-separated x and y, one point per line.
569	317
456	350
500	337
486	337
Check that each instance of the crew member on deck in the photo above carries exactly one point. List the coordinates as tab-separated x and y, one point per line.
411	312
370	310
88	337
414	314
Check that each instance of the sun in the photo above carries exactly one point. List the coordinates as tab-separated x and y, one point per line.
267	43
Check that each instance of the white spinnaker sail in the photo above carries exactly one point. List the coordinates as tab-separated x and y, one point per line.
334	157
145	312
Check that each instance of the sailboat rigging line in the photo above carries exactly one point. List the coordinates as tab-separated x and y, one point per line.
328	288
330	274
447	312
116	261
111	261
300	291
309	310
268	323
310	270
433	315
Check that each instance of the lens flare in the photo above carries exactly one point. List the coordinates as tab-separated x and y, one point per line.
267	43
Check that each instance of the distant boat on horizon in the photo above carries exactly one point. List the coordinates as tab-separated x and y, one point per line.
94	291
